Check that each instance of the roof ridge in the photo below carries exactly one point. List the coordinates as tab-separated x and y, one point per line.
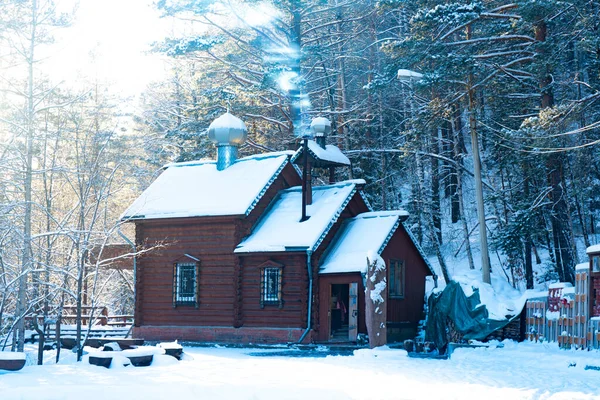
334	219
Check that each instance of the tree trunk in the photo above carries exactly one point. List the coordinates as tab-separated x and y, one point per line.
559	211
435	188
456	148
485	257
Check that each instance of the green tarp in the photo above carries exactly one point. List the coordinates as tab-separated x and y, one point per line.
470	318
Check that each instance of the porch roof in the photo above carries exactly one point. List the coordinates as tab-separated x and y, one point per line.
367	233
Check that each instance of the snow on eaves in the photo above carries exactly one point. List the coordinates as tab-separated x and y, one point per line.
367	233
280	228
330	153
197	188
593	249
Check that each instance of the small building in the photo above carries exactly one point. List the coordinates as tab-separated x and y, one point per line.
239	250
594	286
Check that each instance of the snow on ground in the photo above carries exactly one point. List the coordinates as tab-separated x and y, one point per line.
517	371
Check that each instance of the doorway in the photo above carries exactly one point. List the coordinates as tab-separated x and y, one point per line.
343	312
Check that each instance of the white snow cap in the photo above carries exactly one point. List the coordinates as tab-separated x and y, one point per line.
593	249
321	126
227	130
408	75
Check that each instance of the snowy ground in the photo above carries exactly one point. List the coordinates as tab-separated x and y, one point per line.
517	371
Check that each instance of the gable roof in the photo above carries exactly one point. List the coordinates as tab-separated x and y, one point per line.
197	188
366	233
330	155
280	228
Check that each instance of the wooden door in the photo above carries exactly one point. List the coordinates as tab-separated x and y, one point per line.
353	312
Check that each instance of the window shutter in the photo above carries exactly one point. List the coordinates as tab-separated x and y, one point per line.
197	284
262	288
174	285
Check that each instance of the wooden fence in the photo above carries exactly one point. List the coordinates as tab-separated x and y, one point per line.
563	316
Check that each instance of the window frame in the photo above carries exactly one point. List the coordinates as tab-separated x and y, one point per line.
266	297
595	261
394	266
178	268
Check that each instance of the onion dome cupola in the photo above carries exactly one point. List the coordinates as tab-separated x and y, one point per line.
228	133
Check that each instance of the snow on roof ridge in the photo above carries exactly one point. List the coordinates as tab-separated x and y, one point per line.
266	187
382	214
334	219
260	156
329	186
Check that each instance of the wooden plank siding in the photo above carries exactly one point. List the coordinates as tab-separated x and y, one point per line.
409	309
294	289
210	239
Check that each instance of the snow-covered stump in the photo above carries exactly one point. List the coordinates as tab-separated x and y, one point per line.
375	295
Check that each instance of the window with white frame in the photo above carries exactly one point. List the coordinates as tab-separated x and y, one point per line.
185	284
270	286
397	278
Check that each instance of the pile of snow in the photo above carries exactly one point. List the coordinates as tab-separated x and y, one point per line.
500	298
169	345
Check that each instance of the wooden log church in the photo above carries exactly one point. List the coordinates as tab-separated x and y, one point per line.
237	256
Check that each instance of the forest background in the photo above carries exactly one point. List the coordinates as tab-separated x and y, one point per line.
417	92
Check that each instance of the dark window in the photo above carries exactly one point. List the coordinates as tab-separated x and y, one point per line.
185	286
270	286
396	278
596	264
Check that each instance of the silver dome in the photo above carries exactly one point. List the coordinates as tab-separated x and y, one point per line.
227	130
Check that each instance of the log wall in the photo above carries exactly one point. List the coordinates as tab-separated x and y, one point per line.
405	313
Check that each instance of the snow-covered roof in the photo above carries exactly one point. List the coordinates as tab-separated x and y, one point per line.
280	228
197	188
366	233
582	266
330	153
593	249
